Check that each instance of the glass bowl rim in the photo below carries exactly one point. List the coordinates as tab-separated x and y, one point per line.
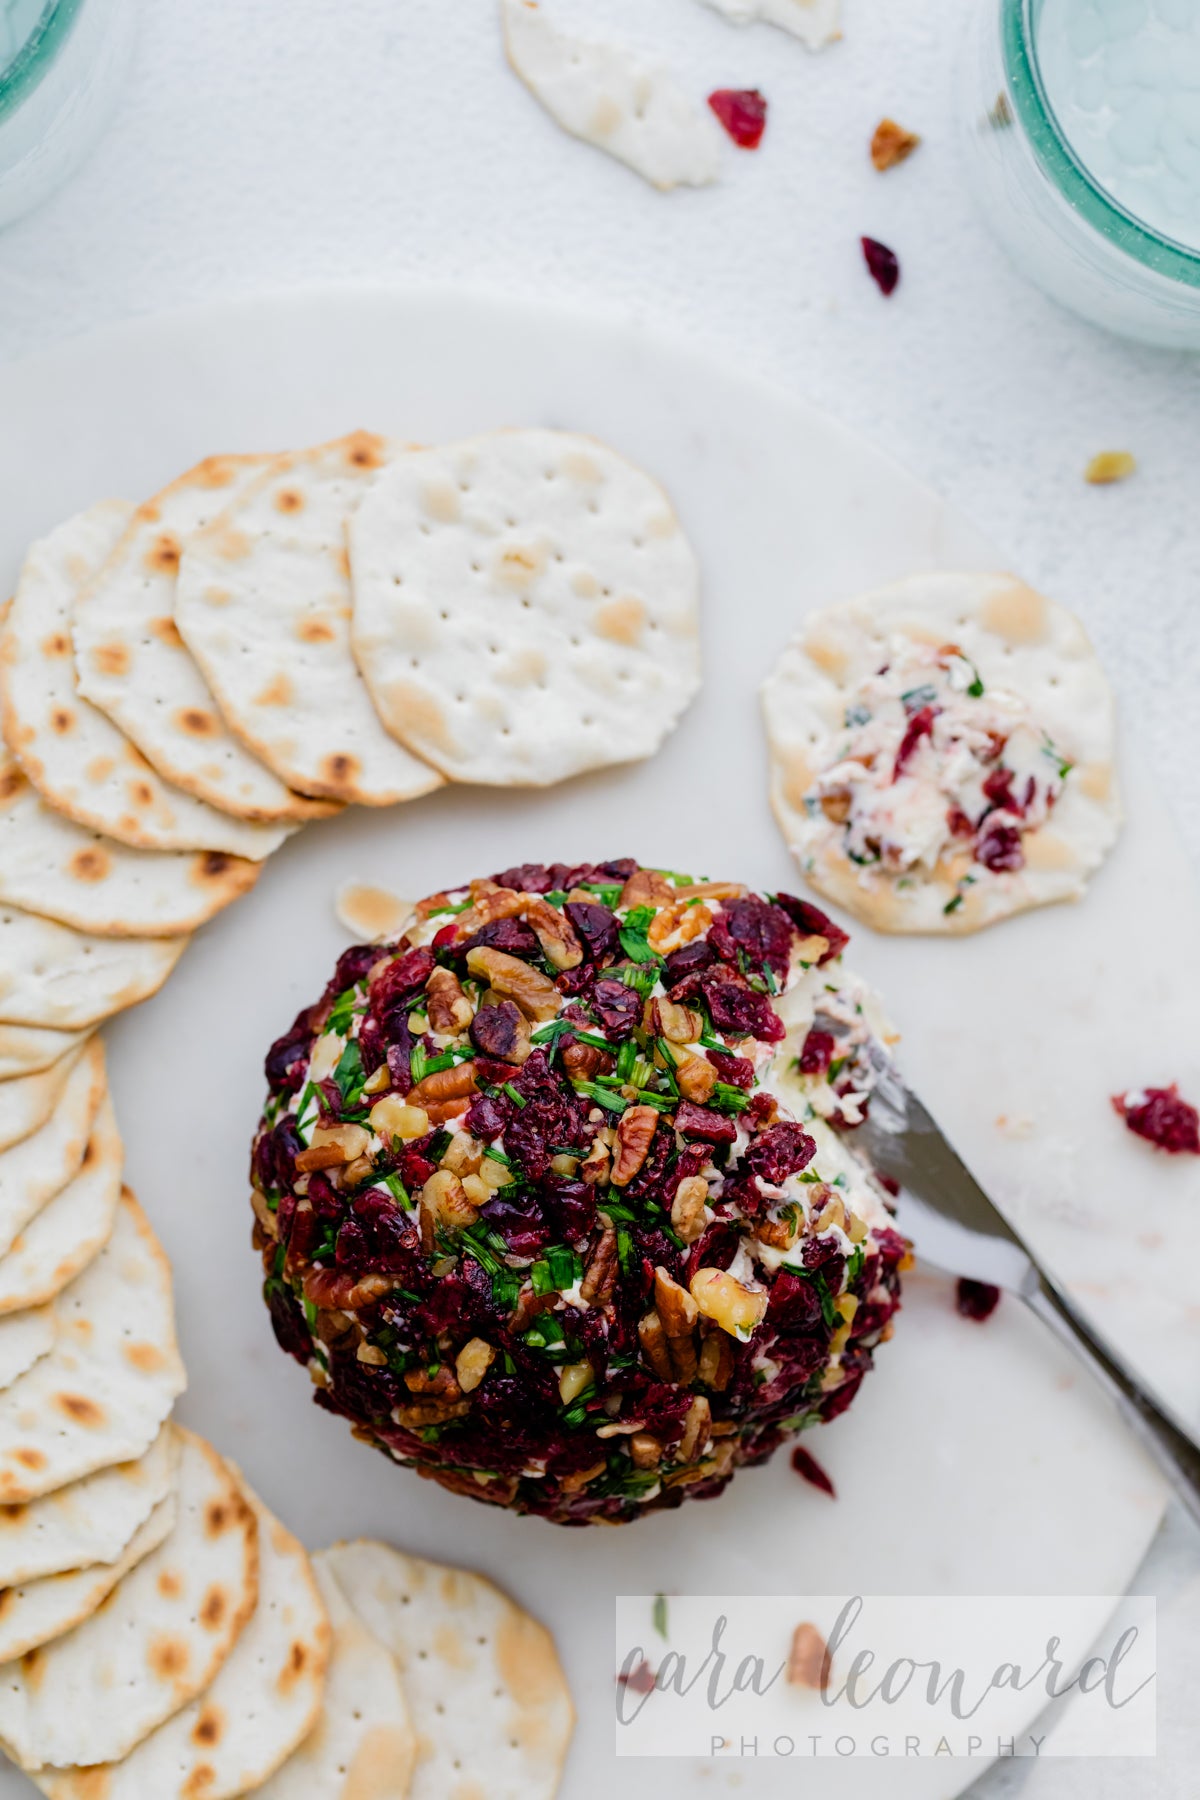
1164	255
37	53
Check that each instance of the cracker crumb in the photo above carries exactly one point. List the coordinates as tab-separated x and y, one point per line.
371	913
1015	1125
892	144
809	1662
1110	466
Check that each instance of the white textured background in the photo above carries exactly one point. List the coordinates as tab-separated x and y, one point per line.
275	143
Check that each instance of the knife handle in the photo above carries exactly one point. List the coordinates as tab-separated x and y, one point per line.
1167	1440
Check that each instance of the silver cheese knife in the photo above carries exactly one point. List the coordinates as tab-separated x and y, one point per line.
955	1227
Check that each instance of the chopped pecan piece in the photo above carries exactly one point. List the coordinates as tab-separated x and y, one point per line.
440	1385
262	1212
645	1451
512	979
600	1276
371	1355
780	1233
331	1291
528	1306
446	1005
716	1362
472	1363
444	1204
653	1340
635	1134
333	1145
489	903
696	1078
584	1061
503	1032
712	890
891	144
809	1661
579	1478
554	932
678	1312
443	1085
646	887
688	1207
595	1165
423	1413
696	1424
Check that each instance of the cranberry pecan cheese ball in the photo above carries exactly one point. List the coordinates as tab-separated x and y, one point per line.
552	1193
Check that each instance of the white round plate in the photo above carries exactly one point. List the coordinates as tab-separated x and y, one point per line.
976	1460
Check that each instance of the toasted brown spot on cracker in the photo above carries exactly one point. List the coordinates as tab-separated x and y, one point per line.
1016	612
372	1775
12	1515
141	793
315	630
289	500
62	720
11	782
218	1517
57	644
215	471
278	692
91	864
29	1458
214	864
167	632
365	451
111	659
526	1660
170	1584
167	1656
100	768
163	556
214	1607
81	1409
622	620
421	713
147	1357
517	565
200	1782
339	767
294	1667
33	1667
196	721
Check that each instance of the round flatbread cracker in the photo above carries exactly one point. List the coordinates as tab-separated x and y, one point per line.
50	865
263	603
35	1049
61	1239
72	752
90	1696
525	607
262	1701
24	1339
102	1394
37	1611
52	975
454	1634
40	1166
133	664
363	1745
26	1101
942	753
89	1521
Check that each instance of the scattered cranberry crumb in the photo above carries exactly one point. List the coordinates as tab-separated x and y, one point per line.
976	1300
743	113
883	263
808	1466
639	1680
1162	1117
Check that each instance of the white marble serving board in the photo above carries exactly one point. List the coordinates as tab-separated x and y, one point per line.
976	1458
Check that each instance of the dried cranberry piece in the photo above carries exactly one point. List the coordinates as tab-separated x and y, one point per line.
361	1390
835	1404
997	785
526	878
402	979
807	1465
288	1055
1162	1117
443	937
918	727
618	1008
570	1207
755	932
884	266
390	1233
998	846
689	960
595	926
737	1071
743	113
958	824
794	1304
485	1118
782	1151
742	1012
350	1251
639	1680
287	1321
523	1229
817	1051
810	921
499	1030
551	1117
702	1122
353	967
513	936
976	1299
399	1055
